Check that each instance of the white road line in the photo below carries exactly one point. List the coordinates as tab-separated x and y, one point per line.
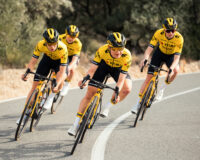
16	98
98	149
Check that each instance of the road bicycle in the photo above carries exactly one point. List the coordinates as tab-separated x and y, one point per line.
149	93
34	107
57	99
93	109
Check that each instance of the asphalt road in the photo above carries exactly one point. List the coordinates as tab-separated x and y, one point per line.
169	131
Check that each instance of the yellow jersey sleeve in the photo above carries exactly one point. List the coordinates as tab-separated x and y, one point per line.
64	53
154	41
167	46
127	59
60	53
97	57
38	49
179	44
74	49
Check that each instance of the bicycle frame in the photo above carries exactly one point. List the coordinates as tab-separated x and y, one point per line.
39	88
41	85
154	79
98	94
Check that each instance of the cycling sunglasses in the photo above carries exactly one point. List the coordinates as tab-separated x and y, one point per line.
69	36
170	30
51	44
117	48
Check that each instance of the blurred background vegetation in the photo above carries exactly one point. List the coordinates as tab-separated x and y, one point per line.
23	22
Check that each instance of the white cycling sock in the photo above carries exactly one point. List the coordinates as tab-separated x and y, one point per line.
52	95
108	105
163	86
77	120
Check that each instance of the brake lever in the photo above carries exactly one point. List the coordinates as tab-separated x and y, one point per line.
145	62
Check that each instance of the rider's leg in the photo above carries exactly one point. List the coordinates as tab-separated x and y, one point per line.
60	76
136	107
34	85
66	85
169	59
126	89
83	104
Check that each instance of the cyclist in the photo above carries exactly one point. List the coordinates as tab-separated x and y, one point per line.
114	59
74	45
169	44
55	57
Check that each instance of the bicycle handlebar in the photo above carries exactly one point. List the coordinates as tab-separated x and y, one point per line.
53	80
156	68
100	85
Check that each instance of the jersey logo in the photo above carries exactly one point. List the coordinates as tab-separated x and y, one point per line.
97	54
154	38
162	32
123	55
107	51
60	48
176	36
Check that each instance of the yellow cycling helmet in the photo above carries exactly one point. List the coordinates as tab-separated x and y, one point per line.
72	30
51	35
116	39
170	24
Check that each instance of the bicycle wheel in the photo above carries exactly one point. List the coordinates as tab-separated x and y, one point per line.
142	106
56	102
96	112
26	114
39	109
82	129
148	95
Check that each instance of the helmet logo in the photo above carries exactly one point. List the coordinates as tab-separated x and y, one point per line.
72	28
51	33
117	36
170	21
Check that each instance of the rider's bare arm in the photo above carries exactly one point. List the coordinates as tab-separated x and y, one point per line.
61	75
31	65
121	80
147	53
92	69
73	62
91	72
175	62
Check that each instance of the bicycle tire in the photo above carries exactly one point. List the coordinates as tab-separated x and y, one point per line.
97	113
38	111
148	94
142	105
20	128
82	129
56	103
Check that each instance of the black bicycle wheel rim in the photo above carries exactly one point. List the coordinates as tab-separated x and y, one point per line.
78	136
148	94
21	128
142	105
98	111
82	130
39	110
56	103
88	115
